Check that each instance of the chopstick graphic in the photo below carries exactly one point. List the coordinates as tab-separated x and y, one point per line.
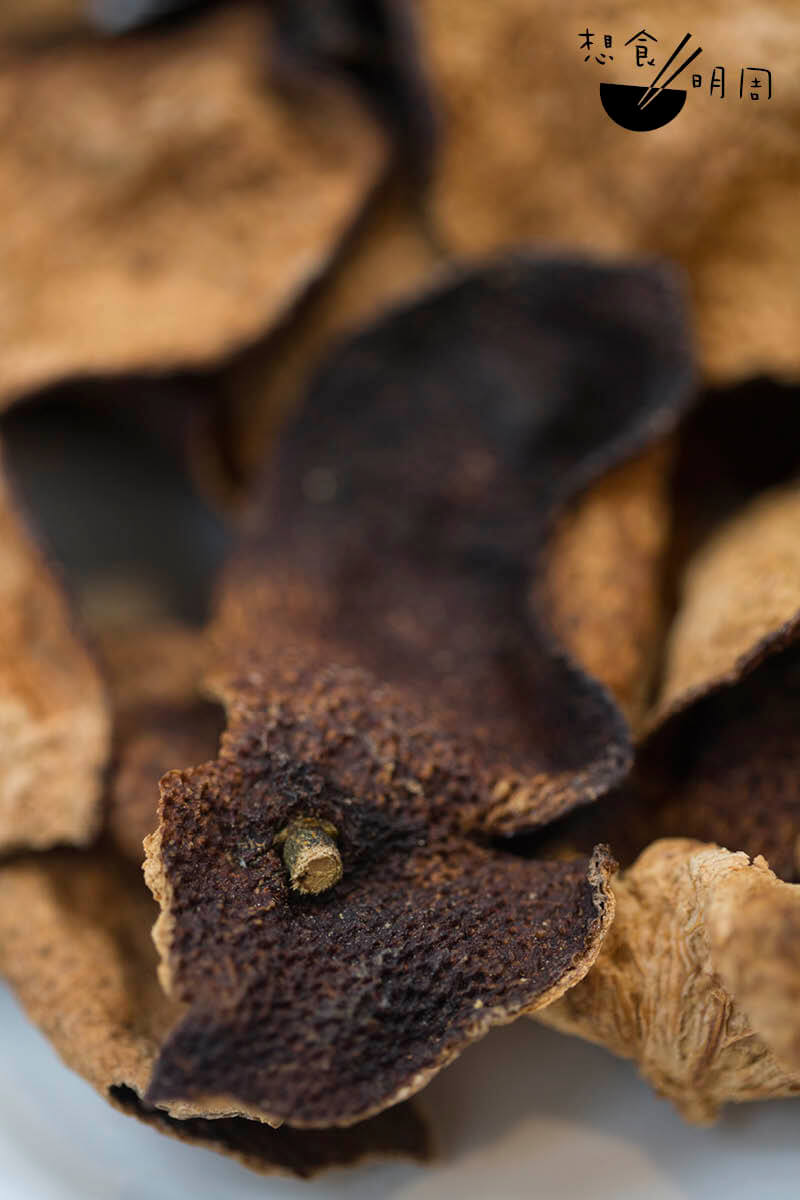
653	90
646	97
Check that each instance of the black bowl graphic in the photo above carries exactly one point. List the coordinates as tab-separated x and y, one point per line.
621	102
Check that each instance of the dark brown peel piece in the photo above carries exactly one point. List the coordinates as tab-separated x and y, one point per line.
402	533
399	1133
728	769
384	674
725	770
75	946
324	1010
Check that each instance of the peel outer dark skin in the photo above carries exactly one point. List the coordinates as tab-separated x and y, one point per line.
383	672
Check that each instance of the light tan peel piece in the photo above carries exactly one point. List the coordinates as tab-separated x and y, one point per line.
75	947
602	575
753	922
54	724
83	965
529	155
676	988
177	207
740	594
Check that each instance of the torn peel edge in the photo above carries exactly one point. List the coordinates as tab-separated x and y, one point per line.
754	929
600	870
163	930
768	647
208	1107
127	1100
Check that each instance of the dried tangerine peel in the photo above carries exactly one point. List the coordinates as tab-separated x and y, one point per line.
602	582
402	569
722	760
729	769
54	723
376	648
161	721
671	987
512	114
740	599
726	770
388	260
323	1010
718	759
75	946
241	194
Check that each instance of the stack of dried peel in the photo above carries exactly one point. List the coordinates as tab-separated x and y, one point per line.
513	596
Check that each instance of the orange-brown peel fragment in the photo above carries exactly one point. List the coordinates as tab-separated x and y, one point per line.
528	154
177	207
739	602
697	980
54	723
602	580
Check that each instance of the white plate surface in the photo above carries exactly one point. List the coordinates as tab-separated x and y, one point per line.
524	1115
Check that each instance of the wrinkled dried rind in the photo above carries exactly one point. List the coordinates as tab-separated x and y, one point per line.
240	194
295	1002
739	602
754	930
658	992
529	154
54	724
601	586
75	946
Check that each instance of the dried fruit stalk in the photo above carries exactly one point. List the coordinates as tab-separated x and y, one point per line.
697	980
